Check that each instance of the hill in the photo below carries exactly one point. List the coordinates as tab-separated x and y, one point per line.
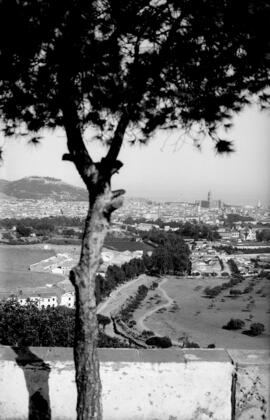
38	188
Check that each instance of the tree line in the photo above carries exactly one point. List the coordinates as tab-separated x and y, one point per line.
263	235
47	223
44	226
232	218
51	327
172	256
192	229
236	278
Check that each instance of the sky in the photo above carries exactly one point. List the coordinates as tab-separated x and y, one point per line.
168	168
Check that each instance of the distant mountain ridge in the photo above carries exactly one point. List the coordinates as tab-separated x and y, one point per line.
38	188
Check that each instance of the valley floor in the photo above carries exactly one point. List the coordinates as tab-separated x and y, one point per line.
179	309
200	319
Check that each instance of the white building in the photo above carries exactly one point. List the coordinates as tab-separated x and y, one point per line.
68	299
251	235
44	300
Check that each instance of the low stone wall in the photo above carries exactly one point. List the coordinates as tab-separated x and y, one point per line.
252	384
166	384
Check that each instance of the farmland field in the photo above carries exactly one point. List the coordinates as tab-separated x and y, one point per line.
14	264
126	245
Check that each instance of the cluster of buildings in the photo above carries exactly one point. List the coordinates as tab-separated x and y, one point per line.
57	264
43	297
62	263
48	299
210	211
206	261
112	257
16	208
238	233
62	294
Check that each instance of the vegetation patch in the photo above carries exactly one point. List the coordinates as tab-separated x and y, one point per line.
234	324
255	329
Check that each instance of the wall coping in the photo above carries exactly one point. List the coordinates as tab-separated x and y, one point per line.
171	355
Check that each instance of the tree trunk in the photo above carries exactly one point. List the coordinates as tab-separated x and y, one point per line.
86	327
102	202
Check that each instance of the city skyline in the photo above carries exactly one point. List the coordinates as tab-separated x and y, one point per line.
168	168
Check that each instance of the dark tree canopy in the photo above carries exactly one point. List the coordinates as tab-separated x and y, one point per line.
138	64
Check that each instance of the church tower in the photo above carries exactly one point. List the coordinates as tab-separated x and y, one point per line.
209	199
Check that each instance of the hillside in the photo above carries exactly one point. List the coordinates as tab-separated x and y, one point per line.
35	187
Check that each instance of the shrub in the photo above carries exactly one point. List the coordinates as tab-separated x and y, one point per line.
191	345
162	342
211	346
235	292
107	341
234	324
256	329
147	334
103	320
212	291
248	289
221	263
233	266
142	290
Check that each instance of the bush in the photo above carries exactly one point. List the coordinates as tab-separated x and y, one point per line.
162	342
234	324
235	292
221	263
191	345
110	342
256	329
211	346
147	334
233	266
212	291
103	320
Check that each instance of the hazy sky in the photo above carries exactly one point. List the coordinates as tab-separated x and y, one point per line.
167	168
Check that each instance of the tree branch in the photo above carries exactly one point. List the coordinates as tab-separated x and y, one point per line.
117	139
78	153
115	203
68	157
125	118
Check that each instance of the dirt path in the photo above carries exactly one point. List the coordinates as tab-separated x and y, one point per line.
115	298
140	321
